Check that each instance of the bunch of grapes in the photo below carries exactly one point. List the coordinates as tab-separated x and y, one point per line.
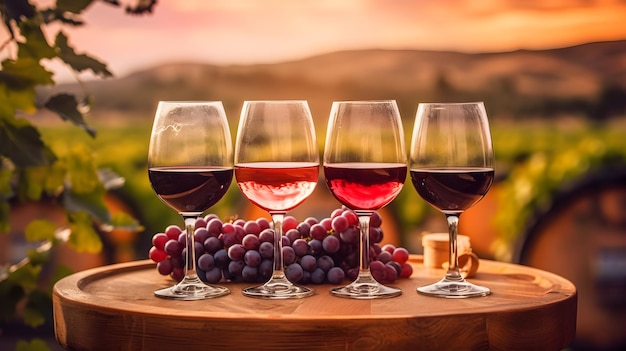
314	252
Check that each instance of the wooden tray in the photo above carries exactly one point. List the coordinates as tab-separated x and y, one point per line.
114	308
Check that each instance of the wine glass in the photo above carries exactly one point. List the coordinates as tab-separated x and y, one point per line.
190	167
452	168
365	169
276	168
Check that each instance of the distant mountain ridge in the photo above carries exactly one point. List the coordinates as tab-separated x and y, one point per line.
579	71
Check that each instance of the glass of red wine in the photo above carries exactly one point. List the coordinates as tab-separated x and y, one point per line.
276	168
365	166
452	168
190	167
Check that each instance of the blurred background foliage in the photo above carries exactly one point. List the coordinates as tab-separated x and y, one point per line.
78	150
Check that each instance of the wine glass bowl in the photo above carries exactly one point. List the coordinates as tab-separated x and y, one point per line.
452	168
365	169
190	168
276	168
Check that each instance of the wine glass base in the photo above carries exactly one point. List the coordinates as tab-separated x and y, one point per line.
365	291
192	289
278	289
453	289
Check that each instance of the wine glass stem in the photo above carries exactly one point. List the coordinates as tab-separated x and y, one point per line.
453	257
277	219
364	237
190	256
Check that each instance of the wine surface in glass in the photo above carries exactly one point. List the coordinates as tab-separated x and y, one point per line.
365	186
452	188
277	186
190	189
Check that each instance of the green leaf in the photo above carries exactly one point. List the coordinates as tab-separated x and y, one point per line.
34	345
91	203
27	276
32	180
83	238
66	106
79	62
82	171
74	6
12	99
39	230
35	46
22	144
5	210
122	220
38	307
25	72
6	190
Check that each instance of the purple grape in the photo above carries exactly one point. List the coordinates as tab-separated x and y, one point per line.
206	262
285	240
294	272
325	262
173	248
267	235
221	258
165	267
212	244
376	220
311	221
331	243
339	224
289	255
293	235
304	228
235	268
335	275
318	231
228	239
378	270
350	235
252	258
213	276
200	235
300	247
384	256
214	226
209	217
308	263
252	227
200	223
315	247
250	242
236	252
266	269
249	273
376	235
263	223
266	249
318	276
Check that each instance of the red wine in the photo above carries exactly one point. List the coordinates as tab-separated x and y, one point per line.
453	189
365	186
190	189
277	186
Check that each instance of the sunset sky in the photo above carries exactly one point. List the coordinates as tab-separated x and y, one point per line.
253	31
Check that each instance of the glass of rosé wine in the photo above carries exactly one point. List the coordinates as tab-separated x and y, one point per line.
190	167
365	167
452	168
276	168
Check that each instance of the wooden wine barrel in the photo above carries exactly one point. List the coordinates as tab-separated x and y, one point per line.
582	237
114	308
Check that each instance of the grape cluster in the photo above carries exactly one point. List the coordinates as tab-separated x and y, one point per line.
314	252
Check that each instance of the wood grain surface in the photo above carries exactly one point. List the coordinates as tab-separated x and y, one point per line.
114	308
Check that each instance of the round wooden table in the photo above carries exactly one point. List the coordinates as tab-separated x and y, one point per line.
114	308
